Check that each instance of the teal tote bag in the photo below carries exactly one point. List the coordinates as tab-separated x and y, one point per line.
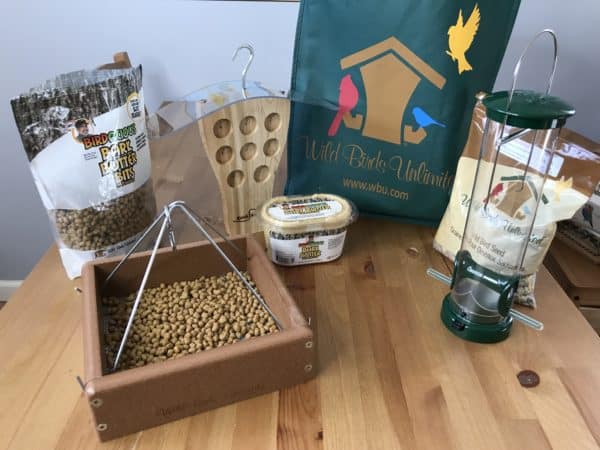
382	93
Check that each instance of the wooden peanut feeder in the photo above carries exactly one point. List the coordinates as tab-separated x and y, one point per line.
244	142
244	139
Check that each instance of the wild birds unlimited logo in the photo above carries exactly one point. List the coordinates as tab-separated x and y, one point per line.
390	73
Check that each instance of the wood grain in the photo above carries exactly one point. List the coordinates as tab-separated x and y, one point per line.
391	376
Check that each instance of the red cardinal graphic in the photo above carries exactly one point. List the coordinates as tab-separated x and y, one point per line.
347	100
499	188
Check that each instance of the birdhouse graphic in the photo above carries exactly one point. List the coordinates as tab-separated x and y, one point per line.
512	197
390	73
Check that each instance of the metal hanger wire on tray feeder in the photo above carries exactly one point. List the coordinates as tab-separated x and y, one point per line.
166	226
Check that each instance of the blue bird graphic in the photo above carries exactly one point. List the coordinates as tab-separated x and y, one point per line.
424	119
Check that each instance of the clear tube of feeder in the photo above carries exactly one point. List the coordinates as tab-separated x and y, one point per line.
508	188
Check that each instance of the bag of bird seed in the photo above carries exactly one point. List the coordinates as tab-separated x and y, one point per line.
84	135
382	97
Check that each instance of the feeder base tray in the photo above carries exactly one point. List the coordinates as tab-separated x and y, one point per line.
471	331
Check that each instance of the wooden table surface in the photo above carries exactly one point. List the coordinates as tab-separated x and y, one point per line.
391	375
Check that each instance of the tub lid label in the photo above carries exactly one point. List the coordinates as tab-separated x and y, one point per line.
291	212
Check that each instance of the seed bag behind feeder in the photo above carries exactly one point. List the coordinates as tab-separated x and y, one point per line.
85	138
574	173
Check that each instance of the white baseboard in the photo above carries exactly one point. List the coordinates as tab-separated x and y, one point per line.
7	287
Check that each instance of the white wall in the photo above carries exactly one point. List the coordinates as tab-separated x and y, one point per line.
184	45
577	24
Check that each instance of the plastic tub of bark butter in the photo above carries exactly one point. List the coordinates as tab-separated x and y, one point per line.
306	229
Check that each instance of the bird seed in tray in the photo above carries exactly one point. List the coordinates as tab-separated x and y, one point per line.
184	317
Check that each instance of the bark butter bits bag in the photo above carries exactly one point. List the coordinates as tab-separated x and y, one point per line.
85	138
573	174
382	93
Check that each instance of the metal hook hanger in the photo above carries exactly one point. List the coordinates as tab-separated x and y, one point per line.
517	69
248	63
502	139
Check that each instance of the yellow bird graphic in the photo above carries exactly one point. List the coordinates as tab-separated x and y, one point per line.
562	185
460	38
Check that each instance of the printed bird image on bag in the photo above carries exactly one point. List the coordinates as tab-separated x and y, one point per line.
460	38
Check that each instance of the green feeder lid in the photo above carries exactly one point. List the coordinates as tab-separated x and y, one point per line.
528	109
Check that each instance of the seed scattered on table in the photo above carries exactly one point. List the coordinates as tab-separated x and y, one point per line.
185	317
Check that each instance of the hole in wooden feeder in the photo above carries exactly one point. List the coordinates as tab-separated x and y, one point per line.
224	154
272	122
248	125
235	178
222	128
271	147
248	151
261	174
